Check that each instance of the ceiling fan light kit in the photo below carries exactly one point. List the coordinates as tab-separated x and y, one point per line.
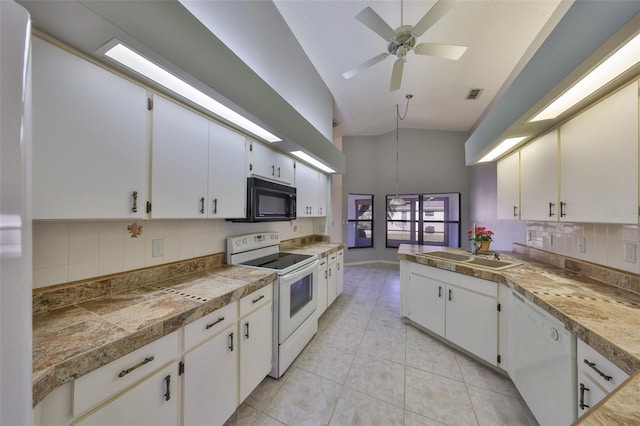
403	39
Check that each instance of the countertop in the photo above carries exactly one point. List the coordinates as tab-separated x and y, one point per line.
81	336
605	316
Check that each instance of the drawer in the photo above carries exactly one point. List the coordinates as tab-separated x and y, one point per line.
332	258
256	299
589	393
209	325
100	384
599	368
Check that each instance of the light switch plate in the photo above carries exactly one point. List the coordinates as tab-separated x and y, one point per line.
157	248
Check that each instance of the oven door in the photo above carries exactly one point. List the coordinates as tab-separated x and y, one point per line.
298	297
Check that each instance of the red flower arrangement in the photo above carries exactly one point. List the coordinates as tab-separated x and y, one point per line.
482	234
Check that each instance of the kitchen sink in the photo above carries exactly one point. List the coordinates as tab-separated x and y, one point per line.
491	263
472	260
448	255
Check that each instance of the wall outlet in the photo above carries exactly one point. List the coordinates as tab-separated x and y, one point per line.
529	235
320	228
295	228
630	252
157	248
582	245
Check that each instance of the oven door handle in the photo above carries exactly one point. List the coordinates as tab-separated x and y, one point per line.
301	272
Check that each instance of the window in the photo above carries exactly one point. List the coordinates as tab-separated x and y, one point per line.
425	219
360	221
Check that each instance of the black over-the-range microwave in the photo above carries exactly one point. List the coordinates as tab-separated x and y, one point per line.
269	201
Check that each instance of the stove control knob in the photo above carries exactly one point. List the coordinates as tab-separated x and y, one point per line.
238	242
244	241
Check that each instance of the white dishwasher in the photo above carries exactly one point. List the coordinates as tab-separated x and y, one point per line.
542	362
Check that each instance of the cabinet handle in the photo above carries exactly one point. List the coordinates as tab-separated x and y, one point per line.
449	294
138	365
562	206
551	206
167	383
202	205
515	211
325	275
439	291
219	320
231	342
583	388
215	206
258	299
273	170
134	195
246	330
278	171
329	272
338	266
593	365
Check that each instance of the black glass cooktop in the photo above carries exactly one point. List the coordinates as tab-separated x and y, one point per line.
277	261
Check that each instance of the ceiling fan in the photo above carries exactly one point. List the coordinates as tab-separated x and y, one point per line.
402	40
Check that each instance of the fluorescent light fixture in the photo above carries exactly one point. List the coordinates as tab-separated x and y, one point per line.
626	57
136	62
503	147
309	159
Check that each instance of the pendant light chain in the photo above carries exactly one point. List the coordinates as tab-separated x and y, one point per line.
398	118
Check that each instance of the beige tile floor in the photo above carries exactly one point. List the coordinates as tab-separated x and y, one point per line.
366	367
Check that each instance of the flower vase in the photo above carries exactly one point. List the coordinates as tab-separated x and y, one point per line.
484	245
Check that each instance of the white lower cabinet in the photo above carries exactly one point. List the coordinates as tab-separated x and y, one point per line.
460	308
153	402
256	339
332	279
597	377
210	375
323	276
340	273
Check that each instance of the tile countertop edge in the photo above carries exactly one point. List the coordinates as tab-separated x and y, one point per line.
49	378
614	409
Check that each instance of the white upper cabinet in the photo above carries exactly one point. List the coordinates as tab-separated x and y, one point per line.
90	143
180	161
312	190
227	178
599	161
539	178
269	164
508	170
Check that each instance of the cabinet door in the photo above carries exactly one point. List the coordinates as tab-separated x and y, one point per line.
179	165
211	380
255	349
307	191
539	178
472	322
323	278
426	302
227	177
509	187
152	402
322	193
599	161
340	273
285	169
589	393
332	283
90	141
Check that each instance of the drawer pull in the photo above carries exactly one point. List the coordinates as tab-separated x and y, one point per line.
167	382
593	365
230	342
583	388
258	299
140	364
218	321
134	195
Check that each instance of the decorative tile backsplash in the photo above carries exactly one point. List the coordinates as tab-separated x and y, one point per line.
599	243
72	251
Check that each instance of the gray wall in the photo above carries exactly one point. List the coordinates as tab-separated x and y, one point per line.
429	162
483	208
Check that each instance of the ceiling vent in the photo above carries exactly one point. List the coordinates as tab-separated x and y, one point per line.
336	123
473	94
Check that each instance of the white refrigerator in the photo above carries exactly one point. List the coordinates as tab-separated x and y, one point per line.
15	216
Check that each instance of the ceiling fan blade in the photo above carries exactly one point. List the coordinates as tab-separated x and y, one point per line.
363	66
376	24
396	75
432	16
446	51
